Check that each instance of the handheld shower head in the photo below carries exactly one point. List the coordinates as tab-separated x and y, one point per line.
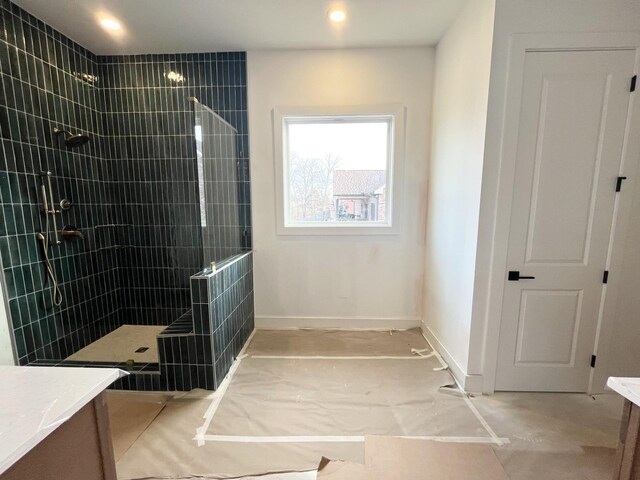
71	140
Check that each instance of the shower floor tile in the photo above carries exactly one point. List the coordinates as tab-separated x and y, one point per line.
121	345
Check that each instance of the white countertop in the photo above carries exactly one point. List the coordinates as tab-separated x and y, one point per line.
628	387
34	401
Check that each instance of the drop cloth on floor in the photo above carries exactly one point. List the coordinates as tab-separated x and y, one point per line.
389	458
552	436
336	342
130	414
168	449
280	397
321	406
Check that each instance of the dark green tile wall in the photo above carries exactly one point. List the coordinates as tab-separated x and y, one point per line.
132	186
150	149
42	87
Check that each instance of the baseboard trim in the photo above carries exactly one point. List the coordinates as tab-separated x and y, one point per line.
469	383
335	323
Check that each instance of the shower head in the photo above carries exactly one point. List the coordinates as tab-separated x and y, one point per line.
71	140
76	140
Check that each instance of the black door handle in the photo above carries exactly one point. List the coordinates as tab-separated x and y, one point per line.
514	276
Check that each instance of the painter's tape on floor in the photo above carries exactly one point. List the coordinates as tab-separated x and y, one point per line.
344	439
310	475
218	395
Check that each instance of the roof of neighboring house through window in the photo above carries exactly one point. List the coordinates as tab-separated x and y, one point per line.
358	182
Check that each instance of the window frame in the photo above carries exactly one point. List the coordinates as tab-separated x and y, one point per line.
395	167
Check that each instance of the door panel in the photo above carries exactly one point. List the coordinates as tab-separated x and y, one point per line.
565	168
544	311
571	131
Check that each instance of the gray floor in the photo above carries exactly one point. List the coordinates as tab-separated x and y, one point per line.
554	435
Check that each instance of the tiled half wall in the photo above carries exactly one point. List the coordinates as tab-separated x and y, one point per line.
197	350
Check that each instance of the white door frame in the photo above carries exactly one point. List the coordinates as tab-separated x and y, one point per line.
520	44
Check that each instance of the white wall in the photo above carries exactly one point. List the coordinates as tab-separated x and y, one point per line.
463	62
513	17
345	281
6	350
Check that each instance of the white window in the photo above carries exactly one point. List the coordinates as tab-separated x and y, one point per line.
338	169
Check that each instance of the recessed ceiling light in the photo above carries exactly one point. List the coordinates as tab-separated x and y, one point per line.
110	24
337	15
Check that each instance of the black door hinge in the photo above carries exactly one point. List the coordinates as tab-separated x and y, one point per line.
634	80
605	276
619	183
593	361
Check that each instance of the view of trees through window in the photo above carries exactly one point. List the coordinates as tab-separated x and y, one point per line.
311	182
337	171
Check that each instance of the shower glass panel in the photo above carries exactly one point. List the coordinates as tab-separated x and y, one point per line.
217	158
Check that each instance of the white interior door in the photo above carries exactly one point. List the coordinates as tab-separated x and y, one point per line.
570	136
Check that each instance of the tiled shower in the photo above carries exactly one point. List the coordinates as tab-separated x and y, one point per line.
155	198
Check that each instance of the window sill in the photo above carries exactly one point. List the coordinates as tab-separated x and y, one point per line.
337	230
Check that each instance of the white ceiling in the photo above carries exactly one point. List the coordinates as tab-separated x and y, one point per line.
178	26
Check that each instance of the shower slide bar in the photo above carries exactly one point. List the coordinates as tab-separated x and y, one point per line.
115	247
43	237
45	204
113	225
